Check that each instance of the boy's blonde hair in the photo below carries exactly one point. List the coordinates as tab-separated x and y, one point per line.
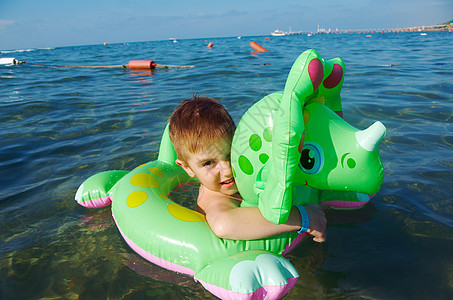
196	123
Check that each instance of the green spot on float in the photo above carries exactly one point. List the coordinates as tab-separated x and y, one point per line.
255	142
245	165
263	158
267	134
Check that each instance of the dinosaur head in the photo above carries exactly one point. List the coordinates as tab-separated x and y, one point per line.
337	156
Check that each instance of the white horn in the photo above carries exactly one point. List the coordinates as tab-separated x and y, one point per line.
370	138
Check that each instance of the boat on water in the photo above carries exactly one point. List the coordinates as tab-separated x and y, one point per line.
278	33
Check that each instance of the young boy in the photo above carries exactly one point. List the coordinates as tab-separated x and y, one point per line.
201	131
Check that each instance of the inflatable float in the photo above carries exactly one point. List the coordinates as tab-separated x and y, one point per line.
179	239
257	47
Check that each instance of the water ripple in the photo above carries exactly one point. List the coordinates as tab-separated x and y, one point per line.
61	125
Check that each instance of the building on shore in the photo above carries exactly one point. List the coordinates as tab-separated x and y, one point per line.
447	26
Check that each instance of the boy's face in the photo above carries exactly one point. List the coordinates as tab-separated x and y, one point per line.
212	167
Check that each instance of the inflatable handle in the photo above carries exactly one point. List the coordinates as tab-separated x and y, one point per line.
167	150
94	192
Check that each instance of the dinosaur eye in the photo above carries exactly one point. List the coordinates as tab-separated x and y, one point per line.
311	159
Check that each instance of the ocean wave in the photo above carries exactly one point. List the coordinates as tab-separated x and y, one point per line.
24	50
16	51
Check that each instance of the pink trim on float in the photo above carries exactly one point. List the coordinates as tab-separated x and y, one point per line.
154	259
269	292
348	204
344	204
294	243
97	203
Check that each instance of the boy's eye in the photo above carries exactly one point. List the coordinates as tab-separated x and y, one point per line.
207	163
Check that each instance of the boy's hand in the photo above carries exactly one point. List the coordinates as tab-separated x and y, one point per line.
318	222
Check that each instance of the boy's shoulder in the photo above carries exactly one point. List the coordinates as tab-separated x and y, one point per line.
210	200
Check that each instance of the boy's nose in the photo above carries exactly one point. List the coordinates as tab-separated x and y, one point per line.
225	168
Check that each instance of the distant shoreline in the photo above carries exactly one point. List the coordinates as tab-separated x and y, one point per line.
447	26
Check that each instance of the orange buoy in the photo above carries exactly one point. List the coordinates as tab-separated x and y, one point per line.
141	64
210	45
257	47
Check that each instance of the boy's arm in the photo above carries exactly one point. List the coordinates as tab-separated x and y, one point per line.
228	220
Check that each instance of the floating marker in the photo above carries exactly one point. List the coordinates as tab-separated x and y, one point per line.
141	65
8	61
132	65
257	47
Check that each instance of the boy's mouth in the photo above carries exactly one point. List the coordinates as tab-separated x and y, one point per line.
228	182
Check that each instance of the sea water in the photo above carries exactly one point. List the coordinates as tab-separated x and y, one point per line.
60	125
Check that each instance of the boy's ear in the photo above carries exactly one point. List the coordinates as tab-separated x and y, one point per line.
185	167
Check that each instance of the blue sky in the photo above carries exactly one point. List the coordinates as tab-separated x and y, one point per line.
50	23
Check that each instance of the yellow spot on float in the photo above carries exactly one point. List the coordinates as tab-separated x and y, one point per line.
136	198
145	180
184	214
164	197
156	171
306	116
321	100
